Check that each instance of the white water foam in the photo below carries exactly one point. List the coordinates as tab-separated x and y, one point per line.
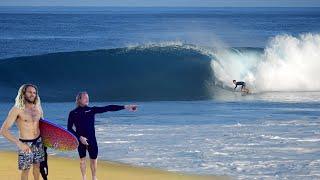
288	63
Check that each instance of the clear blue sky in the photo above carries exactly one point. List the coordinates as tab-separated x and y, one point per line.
165	3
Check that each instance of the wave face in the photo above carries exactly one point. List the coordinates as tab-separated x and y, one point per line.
287	63
168	71
171	72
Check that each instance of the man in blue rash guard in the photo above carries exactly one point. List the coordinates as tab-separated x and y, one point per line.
83	119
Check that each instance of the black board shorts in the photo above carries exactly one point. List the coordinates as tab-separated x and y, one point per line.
92	149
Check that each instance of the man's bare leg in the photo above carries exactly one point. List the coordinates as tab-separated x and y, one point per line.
93	166
83	168
36	171
246	90
25	174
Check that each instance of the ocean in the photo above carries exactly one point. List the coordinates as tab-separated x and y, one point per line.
177	64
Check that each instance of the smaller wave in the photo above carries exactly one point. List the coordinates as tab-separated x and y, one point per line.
116	142
135	135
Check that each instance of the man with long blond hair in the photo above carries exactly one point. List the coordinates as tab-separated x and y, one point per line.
26	113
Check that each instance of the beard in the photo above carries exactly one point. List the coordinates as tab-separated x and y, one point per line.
30	100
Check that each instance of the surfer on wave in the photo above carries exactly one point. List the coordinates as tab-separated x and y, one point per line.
242	84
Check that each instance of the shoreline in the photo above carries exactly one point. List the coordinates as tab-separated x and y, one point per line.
68	168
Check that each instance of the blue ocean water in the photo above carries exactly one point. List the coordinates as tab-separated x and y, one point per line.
30	31
177	64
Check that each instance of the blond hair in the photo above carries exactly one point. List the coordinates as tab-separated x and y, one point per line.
20	101
79	96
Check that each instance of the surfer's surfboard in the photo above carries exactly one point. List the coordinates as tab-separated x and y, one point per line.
244	93
57	137
247	91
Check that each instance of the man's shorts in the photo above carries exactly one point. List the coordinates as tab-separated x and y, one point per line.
92	149
25	159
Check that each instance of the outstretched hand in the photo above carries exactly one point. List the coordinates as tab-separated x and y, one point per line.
131	107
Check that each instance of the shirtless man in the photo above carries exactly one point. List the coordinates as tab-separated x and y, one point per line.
26	113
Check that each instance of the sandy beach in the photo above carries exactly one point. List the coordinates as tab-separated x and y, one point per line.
67	168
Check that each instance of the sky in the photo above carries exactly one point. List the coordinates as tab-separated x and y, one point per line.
165	3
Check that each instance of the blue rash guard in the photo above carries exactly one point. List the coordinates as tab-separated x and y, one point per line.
83	118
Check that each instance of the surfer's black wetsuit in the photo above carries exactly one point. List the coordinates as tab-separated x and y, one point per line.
240	83
83	119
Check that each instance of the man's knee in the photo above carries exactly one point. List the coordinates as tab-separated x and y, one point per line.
36	166
82	162
36	169
25	172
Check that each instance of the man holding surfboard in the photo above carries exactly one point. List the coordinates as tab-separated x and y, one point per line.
82	118
26	113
